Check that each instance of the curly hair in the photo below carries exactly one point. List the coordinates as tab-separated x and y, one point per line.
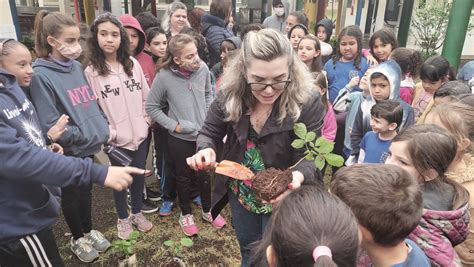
96	57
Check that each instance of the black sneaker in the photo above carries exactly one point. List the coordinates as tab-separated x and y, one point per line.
153	195
147	207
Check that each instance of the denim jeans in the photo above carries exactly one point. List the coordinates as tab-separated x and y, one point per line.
248	226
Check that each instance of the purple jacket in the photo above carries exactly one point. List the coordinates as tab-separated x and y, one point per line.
439	231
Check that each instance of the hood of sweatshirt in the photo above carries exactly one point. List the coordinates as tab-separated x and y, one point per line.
392	71
43	62
328	25
235	40
209	20
129	21
7	80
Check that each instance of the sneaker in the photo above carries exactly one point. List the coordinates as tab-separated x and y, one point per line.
83	250
197	201
141	222
147	206
166	207
187	224
153	195
218	222
98	241
124	227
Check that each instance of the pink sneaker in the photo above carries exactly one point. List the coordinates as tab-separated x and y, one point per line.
124	228
141	222
218	223
187	224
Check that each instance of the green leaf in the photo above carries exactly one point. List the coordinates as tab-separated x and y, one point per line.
130	250
169	243
334	160
326	146
134	235
298	143
310	136
309	156
319	162
187	242
300	130
319	141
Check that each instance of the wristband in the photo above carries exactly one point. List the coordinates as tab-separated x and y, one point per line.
50	139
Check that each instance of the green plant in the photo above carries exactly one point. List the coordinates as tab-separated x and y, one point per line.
317	150
429	25
177	246
126	247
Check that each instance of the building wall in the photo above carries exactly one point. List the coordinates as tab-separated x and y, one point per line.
7	29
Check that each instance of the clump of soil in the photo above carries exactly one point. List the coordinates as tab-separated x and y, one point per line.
271	182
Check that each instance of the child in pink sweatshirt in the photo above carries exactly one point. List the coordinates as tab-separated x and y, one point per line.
329	123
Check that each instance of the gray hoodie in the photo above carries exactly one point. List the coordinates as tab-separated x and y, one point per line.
58	89
392	71
278	23
188	98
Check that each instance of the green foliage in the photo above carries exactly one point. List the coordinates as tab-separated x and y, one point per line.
176	247
318	149
429	26
126	247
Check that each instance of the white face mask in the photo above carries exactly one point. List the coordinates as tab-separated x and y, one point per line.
279	11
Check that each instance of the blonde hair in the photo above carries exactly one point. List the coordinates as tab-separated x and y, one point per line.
458	119
266	45
166	19
173	49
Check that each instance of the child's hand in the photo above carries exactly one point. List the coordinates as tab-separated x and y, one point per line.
56	148
371	60
119	178
59	128
354	82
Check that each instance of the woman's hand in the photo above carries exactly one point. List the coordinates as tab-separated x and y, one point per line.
59	128
202	160
56	148
298	179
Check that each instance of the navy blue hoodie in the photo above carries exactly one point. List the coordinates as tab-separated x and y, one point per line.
27	168
56	90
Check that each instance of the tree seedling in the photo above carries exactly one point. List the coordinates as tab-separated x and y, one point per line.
176	247
318	150
126	247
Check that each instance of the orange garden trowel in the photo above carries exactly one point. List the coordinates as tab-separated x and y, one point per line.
233	170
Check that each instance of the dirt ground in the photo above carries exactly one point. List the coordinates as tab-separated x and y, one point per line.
211	247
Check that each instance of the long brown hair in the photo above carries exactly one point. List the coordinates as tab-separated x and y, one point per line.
317	63
175	45
321	81
321	219
49	24
352	31
96	57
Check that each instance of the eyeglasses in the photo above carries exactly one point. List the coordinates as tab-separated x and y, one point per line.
277	86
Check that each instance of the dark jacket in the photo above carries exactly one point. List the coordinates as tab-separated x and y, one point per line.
274	141
215	31
328	25
29	172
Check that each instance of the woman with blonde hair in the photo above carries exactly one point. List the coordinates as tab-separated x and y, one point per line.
175	19
257	109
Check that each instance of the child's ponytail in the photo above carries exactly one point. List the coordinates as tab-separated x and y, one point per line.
49	24
323	257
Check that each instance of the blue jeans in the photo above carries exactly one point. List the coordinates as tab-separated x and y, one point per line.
136	188
248	226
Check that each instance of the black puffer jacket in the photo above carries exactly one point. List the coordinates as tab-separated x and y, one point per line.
215	31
